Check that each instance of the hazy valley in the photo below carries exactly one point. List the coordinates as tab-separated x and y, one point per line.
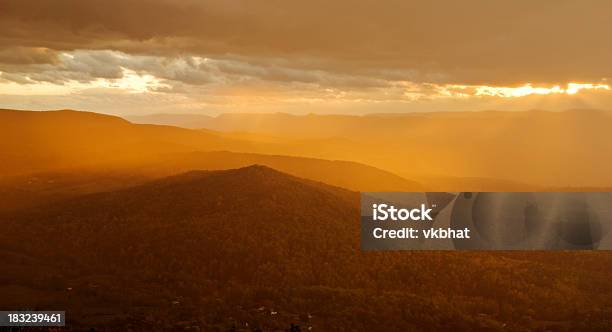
154	227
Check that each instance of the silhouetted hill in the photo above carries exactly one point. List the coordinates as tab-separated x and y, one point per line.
345	174
194	193
18	192
252	225
253	245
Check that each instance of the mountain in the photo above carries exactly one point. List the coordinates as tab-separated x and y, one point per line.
191	121
256	248
42	141
345	174
543	149
176	240
74	143
27	191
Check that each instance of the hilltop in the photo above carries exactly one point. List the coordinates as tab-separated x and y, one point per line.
253	245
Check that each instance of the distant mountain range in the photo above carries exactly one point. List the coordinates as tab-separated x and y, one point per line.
479	151
489	150
65	141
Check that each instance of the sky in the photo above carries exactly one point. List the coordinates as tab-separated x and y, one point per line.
135	57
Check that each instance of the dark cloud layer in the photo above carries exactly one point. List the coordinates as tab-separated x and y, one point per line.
465	42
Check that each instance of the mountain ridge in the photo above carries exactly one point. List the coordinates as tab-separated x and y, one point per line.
541	148
72	141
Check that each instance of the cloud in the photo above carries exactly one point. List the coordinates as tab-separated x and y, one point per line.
353	56
459	42
27	55
90	65
87	66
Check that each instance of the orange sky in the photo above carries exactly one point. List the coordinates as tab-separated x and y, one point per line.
134	57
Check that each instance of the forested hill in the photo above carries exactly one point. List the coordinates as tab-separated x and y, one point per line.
223	249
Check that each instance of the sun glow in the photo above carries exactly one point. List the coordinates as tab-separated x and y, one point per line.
528	89
130	82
